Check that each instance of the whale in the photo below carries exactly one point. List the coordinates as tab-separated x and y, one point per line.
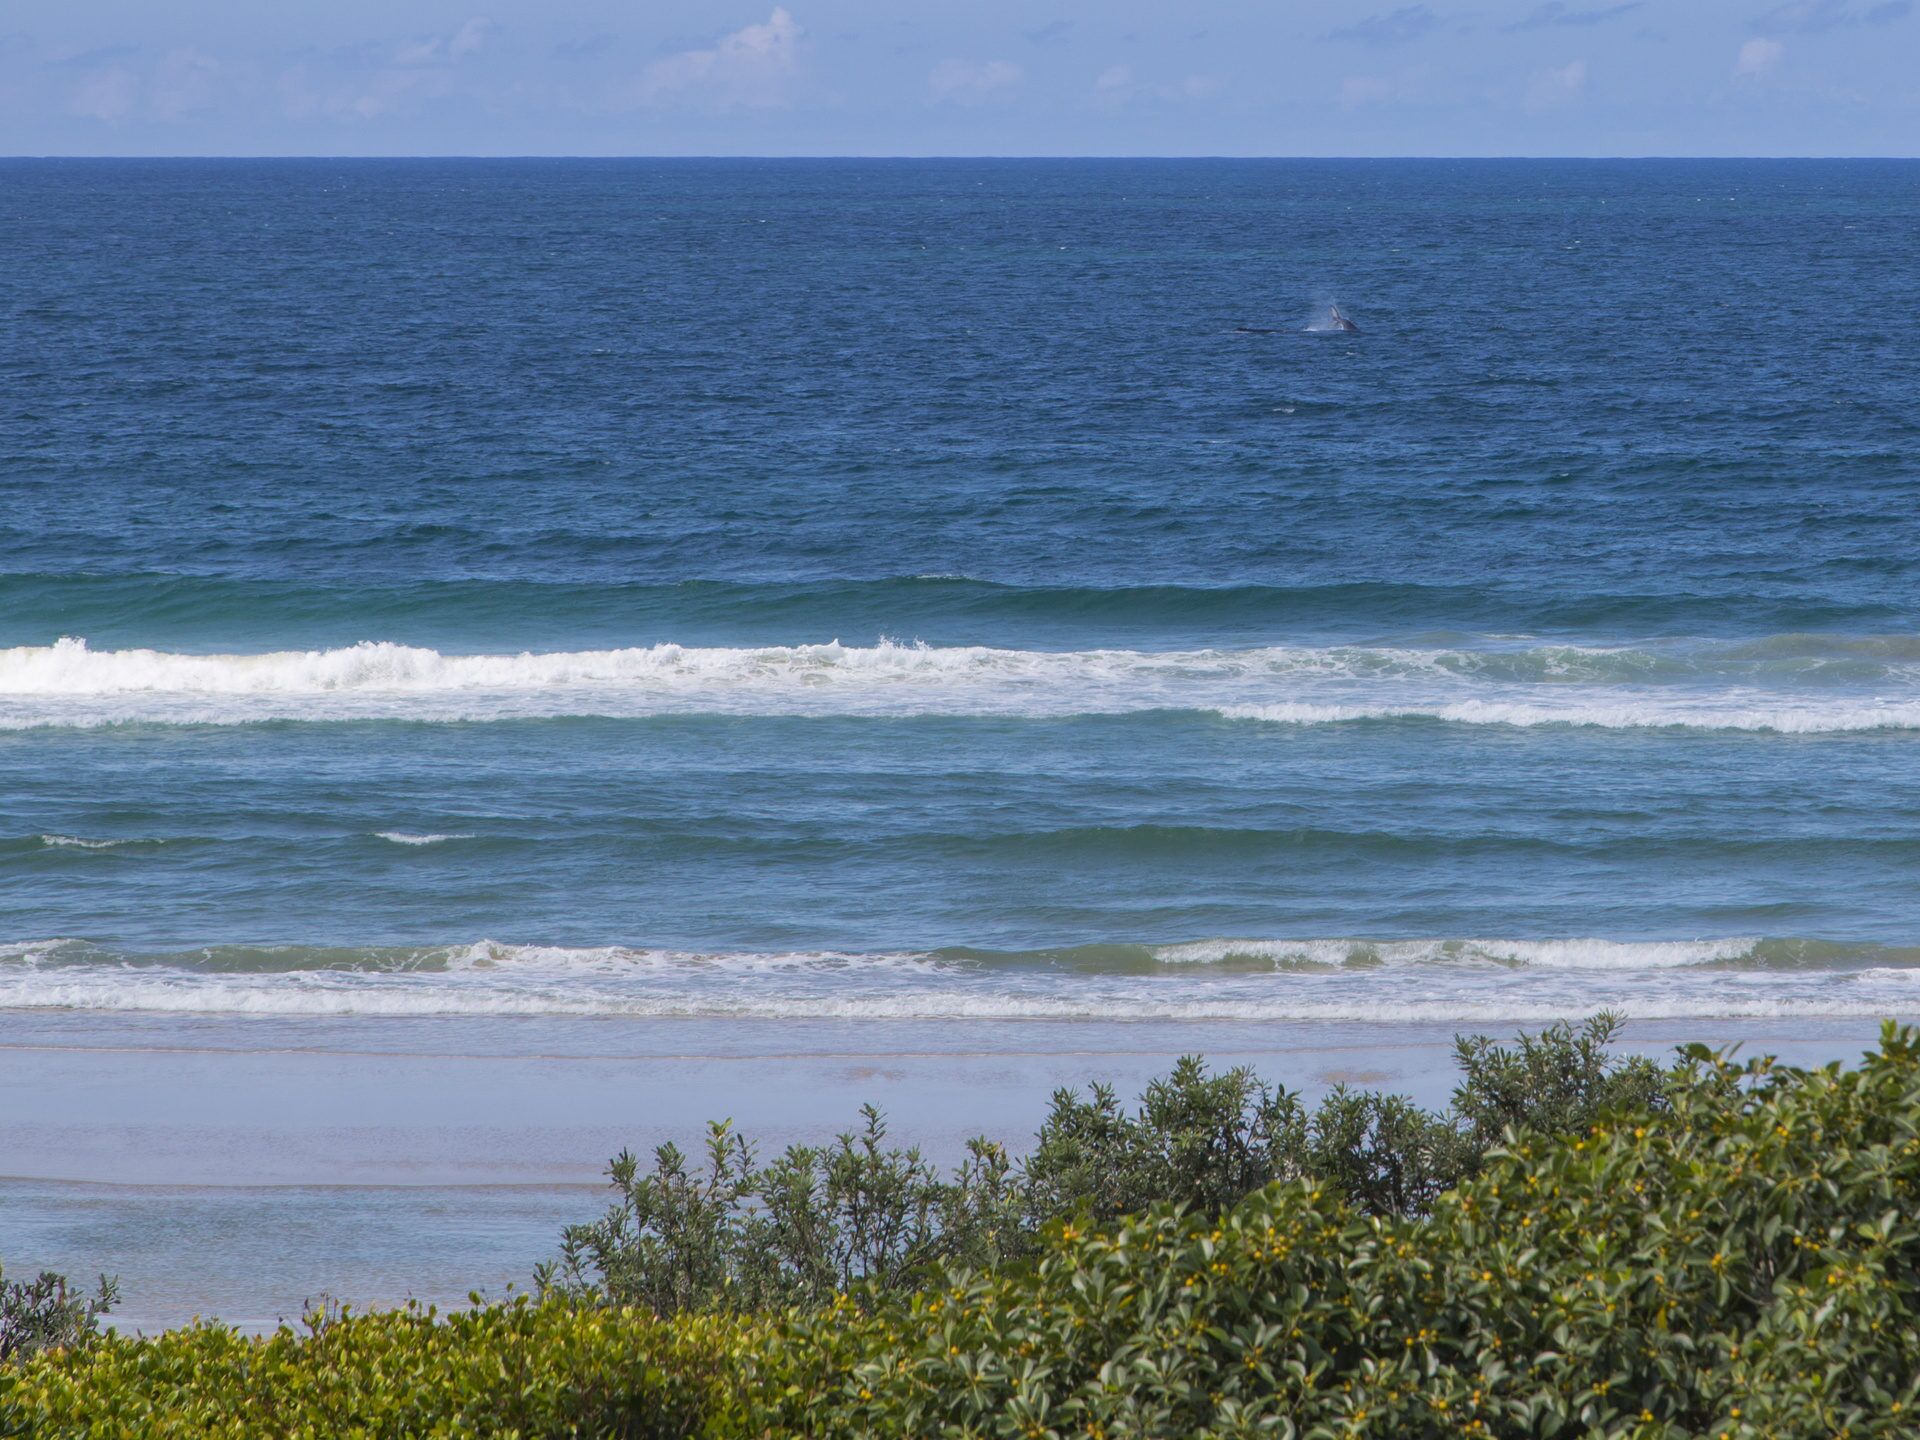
1334	321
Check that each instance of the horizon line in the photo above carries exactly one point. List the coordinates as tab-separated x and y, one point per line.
955	156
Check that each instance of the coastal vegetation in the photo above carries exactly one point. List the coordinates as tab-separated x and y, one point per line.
862	1218
1579	1246
49	1313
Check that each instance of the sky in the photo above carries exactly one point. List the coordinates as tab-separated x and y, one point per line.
988	77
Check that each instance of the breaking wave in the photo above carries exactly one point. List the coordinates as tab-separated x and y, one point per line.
1644	715
1792	684
1458	980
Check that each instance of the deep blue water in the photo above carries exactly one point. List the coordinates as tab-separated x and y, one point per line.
404	555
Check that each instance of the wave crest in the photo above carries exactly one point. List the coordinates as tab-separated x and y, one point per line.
1440	980
1794	686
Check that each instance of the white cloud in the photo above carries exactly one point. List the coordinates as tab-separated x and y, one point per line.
386	92
376	79
437	49
365	81
106	95
1557	86
1398	27
470	36
1815	17
751	68
1759	57
183	82
389	90
963	82
1116	85
1358	90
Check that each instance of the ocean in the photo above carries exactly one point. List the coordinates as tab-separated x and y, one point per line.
572	610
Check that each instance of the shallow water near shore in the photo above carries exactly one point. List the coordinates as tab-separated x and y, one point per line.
505	660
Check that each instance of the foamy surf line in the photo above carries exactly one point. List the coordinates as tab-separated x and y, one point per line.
1649	715
1444	980
370	1002
495	958
1786	687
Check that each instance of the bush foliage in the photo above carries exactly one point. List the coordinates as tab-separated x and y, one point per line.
46	1313
860	1215
518	1369
1734	1256
1745	1265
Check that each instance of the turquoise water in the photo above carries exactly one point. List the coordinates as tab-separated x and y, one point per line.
885	590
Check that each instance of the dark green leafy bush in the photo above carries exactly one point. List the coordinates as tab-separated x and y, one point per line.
817	1222
46	1313
859	1215
1197	1139
1746	1264
1556	1083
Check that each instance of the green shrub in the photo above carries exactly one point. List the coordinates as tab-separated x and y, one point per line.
46	1312
1196	1139
1745	1265
518	1369
817	1222
860	1216
1555	1083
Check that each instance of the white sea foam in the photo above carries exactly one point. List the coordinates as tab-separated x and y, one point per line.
1785	687
1457	981
623	961
1581	954
1684	712
401	837
1614	954
74	842
157	995
31	951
